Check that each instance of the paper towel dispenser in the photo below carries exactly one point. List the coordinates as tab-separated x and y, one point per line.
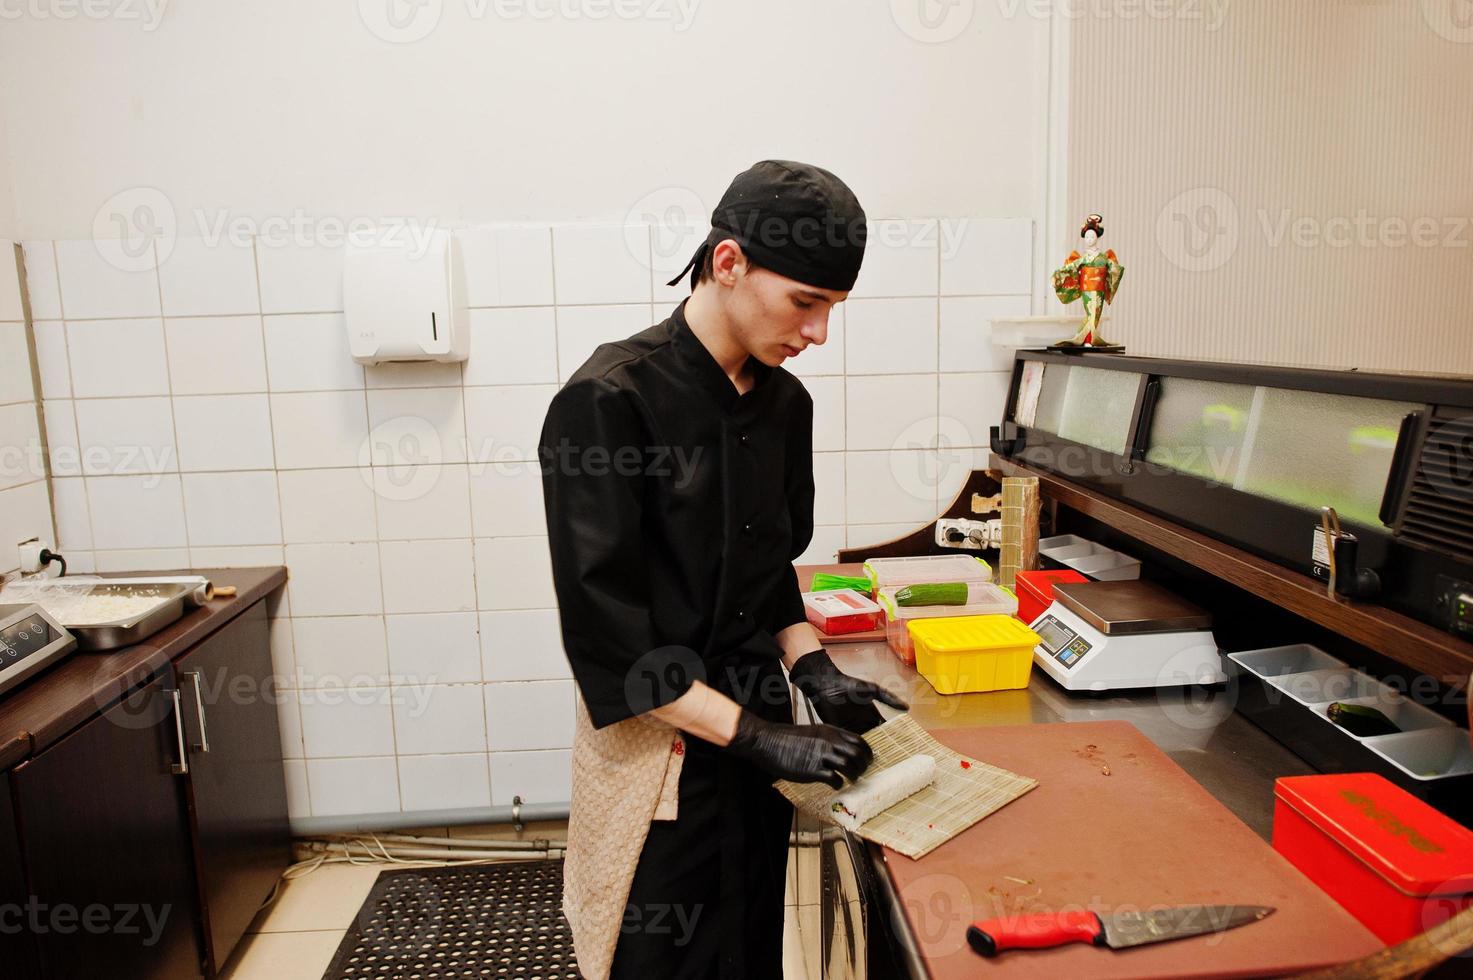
404	299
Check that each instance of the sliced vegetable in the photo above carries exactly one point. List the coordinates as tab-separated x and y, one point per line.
933	594
1361	719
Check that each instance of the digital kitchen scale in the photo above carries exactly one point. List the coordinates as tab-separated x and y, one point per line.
30	640
1102	636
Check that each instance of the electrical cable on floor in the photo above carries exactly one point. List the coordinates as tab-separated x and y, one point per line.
410	851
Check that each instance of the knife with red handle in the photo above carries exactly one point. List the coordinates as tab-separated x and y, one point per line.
1117	931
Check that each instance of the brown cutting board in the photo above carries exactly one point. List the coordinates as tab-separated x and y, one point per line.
1146	835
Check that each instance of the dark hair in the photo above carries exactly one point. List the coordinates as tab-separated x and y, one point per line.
707	269
1094	222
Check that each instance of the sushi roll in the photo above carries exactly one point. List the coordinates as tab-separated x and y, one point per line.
876	793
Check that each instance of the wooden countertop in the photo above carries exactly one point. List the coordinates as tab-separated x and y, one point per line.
43	710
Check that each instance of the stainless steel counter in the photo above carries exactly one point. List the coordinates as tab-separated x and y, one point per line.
834	878
1232	758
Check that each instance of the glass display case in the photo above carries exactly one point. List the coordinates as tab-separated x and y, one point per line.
1253	455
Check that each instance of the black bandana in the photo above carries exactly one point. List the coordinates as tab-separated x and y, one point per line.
796	219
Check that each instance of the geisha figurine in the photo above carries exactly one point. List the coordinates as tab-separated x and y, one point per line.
1093	276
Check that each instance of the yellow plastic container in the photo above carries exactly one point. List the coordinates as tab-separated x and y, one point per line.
973	653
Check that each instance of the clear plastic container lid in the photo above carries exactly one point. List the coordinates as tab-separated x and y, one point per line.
926	569
985	599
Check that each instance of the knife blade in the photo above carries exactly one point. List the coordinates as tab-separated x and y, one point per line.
1120	930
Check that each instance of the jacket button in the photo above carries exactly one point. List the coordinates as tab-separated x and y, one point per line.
743	439
746	529
741	615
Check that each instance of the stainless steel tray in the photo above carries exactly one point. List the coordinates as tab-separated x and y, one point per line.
64	600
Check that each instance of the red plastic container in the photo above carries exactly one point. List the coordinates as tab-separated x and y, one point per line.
1036	591
839	611
1388	858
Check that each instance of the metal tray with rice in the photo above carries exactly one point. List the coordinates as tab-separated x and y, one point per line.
106	615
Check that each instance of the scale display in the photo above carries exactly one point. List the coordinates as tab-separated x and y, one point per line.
1062	643
30	640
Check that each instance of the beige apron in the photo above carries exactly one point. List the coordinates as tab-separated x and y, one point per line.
624	776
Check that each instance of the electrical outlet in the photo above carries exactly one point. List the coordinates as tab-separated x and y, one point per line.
30	555
963	534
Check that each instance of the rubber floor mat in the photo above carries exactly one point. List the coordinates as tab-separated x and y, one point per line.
491	920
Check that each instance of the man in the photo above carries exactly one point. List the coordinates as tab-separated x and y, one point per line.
678	483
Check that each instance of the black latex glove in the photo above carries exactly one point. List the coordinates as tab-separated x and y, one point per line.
801	753
839	699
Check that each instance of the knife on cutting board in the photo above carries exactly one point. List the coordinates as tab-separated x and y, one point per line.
1118	931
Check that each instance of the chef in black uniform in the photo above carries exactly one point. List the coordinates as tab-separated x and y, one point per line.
678	485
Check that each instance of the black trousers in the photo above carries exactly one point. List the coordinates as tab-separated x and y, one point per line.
707	898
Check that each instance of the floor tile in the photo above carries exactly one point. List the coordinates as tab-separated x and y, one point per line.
326	899
283	955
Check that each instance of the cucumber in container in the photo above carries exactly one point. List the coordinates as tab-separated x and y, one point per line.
983	599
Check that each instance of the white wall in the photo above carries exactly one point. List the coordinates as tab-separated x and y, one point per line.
1261	175
25	503
226	422
268	107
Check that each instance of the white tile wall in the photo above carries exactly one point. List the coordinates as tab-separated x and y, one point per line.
327	506
601	264
583	328
300	278
309	352
526	343
537	777
117	358
319	428
56	370
203	279
224	432
452	718
131	435
222	355
508	266
15	362
435	647
42	287
891	336
900	259
444	782
419	641
93	287
339	652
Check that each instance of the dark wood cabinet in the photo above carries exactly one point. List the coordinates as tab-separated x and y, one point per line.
106	845
143	813
235	788
17	944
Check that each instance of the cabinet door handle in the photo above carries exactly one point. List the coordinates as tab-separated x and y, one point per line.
199	708
181	767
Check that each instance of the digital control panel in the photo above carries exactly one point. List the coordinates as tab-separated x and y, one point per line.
1060	642
30	640
23	639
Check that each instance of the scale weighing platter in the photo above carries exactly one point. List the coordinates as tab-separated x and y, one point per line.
1102	636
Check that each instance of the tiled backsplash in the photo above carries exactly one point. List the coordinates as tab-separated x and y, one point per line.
206	412
25	508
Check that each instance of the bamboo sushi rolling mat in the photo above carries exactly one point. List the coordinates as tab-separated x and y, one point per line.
964	792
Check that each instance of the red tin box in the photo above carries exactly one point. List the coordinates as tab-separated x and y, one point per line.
1388	858
1036	591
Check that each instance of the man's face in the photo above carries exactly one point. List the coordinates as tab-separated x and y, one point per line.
775	317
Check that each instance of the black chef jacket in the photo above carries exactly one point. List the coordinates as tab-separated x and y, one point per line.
675	508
